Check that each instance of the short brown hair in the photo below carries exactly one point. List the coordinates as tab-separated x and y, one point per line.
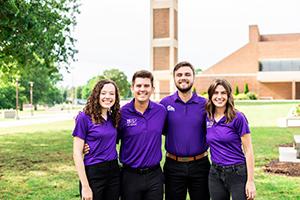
183	64
142	74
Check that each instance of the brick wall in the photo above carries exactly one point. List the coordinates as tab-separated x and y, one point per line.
164	88
161	56
161	23
276	90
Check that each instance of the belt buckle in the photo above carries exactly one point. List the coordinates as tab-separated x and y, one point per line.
144	171
185	159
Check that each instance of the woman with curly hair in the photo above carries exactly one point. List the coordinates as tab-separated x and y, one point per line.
228	136
98	170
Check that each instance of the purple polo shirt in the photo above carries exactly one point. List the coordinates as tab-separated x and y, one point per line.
225	140
140	135
185	125
100	137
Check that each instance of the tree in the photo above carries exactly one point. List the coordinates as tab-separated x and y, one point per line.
87	89
35	42
198	71
116	75
246	88
36	34
79	92
121	80
236	90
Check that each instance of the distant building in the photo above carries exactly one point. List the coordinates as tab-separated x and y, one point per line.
270	64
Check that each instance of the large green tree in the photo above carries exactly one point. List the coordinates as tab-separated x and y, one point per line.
36	34
35	43
113	74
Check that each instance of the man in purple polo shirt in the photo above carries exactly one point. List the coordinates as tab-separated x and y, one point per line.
140	132
187	165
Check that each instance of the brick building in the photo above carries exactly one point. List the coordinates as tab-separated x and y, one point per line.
270	64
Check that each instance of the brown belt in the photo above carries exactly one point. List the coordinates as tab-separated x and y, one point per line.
186	159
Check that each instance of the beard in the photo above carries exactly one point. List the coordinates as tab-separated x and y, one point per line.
184	90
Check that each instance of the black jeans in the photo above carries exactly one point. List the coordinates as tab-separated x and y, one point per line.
142	185
228	181
104	180
183	177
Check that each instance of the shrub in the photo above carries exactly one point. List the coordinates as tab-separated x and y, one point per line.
298	110
246	88
241	96
205	95
251	96
236	90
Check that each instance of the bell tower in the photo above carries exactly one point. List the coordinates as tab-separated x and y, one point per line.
164	45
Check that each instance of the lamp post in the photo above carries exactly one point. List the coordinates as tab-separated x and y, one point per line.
31	102
17	99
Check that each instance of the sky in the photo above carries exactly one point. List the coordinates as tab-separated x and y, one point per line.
116	33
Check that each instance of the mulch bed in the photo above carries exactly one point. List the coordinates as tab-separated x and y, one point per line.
284	168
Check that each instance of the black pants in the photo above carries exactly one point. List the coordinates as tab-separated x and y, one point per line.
228	181
142	185
183	177
104	180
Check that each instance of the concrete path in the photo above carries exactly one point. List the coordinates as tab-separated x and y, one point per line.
39	119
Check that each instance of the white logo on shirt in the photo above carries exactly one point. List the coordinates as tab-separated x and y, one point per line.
209	124
170	108
131	122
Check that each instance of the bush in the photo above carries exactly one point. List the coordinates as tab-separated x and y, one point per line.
246	88
298	110
248	96
236	90
251	96
205	95
241	96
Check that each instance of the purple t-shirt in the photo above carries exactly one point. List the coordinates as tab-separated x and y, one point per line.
185	125
225	140
140	135
100	137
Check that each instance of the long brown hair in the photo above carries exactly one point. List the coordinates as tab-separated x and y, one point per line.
93	107
230	111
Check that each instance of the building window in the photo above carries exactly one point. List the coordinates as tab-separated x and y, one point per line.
279	65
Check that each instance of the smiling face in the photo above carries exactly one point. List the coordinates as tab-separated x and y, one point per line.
184	79
107	96
142	89
220	97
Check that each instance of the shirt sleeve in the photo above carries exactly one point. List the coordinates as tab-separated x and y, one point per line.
241	124
81	126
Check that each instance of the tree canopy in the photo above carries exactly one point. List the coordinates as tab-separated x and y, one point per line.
35	43
113	74
36	34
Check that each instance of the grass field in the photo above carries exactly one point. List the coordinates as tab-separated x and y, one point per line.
36	161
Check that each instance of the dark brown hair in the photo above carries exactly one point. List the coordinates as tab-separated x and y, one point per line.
183	64
93	107
230	111
142	74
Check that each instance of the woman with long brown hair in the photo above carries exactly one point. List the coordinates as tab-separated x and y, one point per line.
228	136
98	170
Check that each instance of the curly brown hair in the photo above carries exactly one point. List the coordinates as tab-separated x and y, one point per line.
93	107
230	111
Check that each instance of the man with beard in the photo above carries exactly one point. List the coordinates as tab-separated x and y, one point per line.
187	166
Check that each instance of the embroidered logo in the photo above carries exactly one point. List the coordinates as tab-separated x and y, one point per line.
170	108
131	122
209	124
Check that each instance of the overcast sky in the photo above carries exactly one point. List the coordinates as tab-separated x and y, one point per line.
116	33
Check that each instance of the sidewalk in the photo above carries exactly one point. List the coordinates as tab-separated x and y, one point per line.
27	120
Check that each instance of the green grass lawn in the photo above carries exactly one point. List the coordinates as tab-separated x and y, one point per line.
36	161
